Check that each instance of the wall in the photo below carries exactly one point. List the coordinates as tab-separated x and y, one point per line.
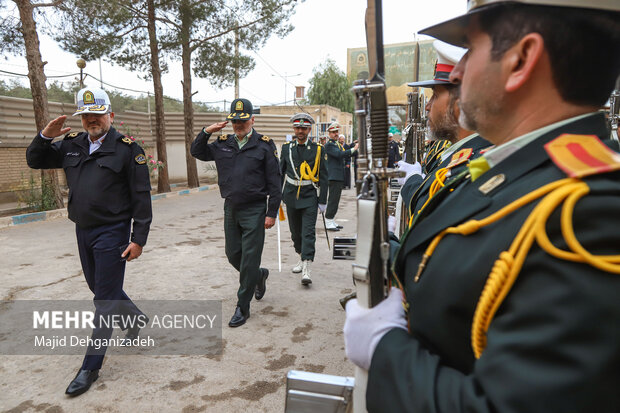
17	129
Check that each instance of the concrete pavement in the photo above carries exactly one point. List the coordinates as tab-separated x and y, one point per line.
292	327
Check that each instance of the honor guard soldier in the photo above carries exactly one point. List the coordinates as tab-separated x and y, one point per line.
511	288
109	187
249	181
336	156
443	116
303	165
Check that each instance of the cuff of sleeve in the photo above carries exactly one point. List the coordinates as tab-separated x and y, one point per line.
45	137
140	240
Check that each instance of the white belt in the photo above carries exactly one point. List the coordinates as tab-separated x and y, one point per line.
296	182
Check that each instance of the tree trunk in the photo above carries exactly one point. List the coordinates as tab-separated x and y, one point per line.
37	86
188	109
163	181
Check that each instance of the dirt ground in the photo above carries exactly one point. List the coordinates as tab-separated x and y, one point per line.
292	327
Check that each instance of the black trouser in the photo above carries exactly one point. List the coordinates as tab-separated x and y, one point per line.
302	223
333	198
244	230
100	251
347	176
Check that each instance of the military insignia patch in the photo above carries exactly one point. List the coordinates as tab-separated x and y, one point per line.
72	135
582	155
275	153
222	138
239	106
266	138
127	140
140	159
89	97
460	157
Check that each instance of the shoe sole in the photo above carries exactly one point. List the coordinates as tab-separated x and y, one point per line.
296	272
306	282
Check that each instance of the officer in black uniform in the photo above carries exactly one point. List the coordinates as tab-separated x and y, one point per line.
303	165
393	151
109	186
336	156
512	286
249	181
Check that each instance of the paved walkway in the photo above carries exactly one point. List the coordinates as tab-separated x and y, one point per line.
292	327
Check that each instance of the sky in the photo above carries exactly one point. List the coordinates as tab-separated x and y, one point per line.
323	29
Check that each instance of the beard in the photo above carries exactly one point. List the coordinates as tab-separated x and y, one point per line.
446	127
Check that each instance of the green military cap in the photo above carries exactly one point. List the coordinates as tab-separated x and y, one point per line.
240	109
453	31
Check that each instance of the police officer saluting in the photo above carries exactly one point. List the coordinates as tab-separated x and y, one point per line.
249	180
304	170
109	187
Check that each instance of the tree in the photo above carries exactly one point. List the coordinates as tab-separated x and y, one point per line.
330	86
207	29
16	37
125	32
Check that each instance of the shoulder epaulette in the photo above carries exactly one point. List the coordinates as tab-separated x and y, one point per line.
71	135
266	138
222	138
582	155
127	140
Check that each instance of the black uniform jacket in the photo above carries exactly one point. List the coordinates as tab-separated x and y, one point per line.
307	193
393	153
111	185
335	160
247	175
415	192
553	345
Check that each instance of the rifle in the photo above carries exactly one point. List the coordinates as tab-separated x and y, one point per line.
614	111
415	131
370	270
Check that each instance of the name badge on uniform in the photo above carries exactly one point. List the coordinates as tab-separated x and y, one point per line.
72	154
226	150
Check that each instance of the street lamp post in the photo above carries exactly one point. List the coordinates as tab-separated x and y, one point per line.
285	81
81	63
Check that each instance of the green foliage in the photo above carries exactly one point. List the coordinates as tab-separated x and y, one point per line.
63	93
38	198
330	86
11	39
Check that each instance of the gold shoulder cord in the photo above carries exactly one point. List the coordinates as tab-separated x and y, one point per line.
438	183
305	173
506	269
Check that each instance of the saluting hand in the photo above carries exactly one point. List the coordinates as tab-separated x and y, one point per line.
269	222
132	251
216	127
55	128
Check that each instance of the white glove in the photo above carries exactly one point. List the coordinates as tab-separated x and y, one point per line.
391	223
365	327
410	169
322	207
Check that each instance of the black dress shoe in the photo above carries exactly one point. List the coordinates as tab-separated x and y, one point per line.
261	287
238	319
134	332
82	381
339	226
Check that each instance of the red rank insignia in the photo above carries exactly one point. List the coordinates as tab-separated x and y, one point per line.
460	157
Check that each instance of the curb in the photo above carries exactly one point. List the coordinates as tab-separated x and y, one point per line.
62	213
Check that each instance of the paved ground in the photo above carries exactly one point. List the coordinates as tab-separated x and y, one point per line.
292	327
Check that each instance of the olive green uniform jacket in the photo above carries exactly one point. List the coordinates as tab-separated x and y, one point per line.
552	346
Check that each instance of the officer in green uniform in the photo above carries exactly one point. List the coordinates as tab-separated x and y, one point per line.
443	113
336	156
304	172
249	180
512	286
